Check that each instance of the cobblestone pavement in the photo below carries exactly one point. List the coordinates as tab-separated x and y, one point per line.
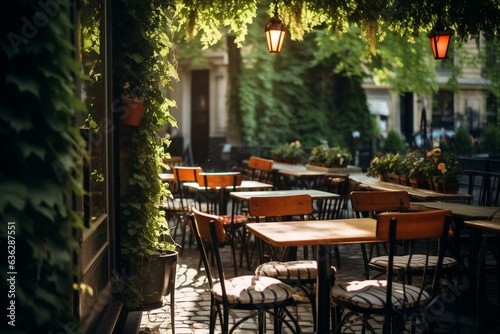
192	300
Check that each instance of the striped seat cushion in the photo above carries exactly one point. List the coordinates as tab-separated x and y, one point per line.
250	289
370	294
417	262
304	270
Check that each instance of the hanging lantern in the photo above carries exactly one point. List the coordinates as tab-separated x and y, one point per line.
275	33
440	40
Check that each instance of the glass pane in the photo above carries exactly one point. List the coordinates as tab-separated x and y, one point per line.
93	93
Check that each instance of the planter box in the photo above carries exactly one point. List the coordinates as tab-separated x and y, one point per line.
334	170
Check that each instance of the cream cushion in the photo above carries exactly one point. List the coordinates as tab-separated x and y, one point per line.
251	289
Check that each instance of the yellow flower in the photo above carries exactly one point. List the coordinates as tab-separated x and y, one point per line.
441	166
437	150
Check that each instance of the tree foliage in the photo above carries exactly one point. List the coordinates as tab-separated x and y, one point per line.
469	18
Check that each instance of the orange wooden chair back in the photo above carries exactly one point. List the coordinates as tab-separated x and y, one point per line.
379	201
220	180
203	221
413	225
260	164
186	174
275	206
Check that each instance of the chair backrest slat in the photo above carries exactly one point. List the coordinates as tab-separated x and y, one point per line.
222	180
186	173
280	205
260	164
260	169
379	201
412	225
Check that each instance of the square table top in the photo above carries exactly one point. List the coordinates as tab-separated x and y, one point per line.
370	183
166	177
316	232
245	185
487	225
315	194
461	210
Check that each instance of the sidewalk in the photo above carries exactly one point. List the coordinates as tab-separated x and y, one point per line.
192	300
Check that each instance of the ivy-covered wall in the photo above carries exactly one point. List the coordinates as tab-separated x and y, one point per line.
40	167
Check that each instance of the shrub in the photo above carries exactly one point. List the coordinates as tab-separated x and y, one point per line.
491	139
394	143
463	141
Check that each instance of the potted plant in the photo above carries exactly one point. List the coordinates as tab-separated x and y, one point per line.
141	61
380	166
133	105
292	153
328	156
394	168
406	166
446	172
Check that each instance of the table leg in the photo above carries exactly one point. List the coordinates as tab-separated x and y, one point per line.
323	290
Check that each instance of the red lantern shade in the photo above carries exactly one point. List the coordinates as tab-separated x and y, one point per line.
440	40
275	34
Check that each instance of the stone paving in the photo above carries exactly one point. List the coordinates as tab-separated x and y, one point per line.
192	300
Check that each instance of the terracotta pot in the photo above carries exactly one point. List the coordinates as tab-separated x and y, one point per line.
133	111
446	188
394	178
405	181
384	177
419	183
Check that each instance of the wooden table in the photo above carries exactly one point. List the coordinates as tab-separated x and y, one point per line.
477	228
315	194
307	176
461	211
245	185
305	179
476	219
166	177
320	233
361	181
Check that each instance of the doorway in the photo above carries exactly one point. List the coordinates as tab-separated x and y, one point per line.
200	116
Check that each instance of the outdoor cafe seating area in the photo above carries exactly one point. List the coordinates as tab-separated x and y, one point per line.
353	249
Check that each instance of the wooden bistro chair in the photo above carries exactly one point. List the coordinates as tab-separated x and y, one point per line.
397	303
217	187
374	203
261	169
179	205
370	204
257	294
298	273
484	187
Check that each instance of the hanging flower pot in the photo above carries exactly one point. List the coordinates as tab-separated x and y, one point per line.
133	110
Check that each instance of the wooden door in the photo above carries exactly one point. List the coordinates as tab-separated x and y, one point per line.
200	116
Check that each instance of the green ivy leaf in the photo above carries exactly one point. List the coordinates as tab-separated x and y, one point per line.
13	193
